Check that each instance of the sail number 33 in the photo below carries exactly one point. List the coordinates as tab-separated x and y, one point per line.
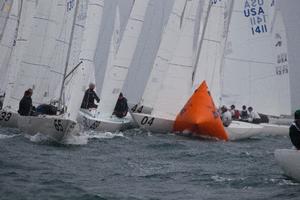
5	116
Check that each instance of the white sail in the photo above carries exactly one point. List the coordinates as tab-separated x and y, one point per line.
7	40
209	61
104	109
291	16
76	85
28	9
42	64
121	56
176	86
250	76
78	63
5	9
168	43
91	34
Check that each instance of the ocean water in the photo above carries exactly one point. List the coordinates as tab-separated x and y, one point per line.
139	165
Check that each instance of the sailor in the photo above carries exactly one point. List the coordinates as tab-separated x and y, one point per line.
253	116
1	100
226	116
244	114
25	105
295	130
89	98
121	107
234	113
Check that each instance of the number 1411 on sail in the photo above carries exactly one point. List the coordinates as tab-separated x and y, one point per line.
259	29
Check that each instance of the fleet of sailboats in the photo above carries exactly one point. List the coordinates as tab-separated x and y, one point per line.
50	47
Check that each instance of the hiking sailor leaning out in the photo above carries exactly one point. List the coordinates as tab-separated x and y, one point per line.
25	105
89	98
295	130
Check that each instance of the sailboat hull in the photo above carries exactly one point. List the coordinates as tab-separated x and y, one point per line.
238	130
153	124
54	127
289	161
274	129
8	118
110	124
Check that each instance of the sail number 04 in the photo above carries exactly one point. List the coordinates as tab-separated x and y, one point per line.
147	120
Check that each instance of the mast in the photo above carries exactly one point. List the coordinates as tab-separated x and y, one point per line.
60	100
201	41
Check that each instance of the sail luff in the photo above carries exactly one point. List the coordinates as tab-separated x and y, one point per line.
164	55
114	80
7	43
61	100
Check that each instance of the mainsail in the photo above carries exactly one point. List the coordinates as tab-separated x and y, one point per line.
164	55
252	73
43	63
8	38
120	57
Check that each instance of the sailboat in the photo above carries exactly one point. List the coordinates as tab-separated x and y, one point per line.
15	37
256	52
119	60
183	76
289	159
52	47
142	112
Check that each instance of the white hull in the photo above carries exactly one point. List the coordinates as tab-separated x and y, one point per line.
274	129
153	124
110	124
238	130
54	127
281	121
9	118
289	161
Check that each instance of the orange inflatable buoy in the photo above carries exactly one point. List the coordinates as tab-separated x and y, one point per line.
200	117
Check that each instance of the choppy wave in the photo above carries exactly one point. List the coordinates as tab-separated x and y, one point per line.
4	136
82	139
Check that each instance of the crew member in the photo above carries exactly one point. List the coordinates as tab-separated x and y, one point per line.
25	105
253	116
226	116
89	98
295	130
121	107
